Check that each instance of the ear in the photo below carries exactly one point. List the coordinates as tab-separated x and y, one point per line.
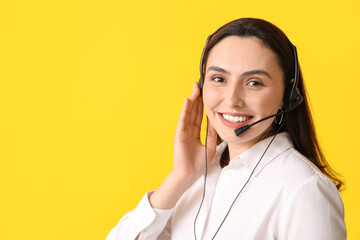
292	80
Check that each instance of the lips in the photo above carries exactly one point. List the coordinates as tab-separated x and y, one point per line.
234	120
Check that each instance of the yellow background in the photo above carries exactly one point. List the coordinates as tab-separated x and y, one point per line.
90	92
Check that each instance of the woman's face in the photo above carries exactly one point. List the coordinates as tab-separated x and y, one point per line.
243	84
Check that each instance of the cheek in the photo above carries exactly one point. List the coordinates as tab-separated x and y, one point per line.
211	97
269	102
263	103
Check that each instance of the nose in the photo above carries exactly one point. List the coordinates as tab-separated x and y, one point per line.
235	95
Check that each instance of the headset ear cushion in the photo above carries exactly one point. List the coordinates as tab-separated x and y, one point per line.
296	99
286	99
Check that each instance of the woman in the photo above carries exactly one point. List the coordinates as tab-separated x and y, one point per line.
266	181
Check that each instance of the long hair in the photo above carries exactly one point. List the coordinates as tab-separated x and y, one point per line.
298	124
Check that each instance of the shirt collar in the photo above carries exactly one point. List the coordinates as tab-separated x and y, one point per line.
250	158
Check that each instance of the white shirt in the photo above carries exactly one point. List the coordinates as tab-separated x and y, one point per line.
286	198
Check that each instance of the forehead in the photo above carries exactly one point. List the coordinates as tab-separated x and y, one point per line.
239	54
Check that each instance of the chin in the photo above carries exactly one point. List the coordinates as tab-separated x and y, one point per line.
239	140
252	136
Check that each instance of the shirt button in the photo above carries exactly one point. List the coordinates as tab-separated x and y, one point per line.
228	174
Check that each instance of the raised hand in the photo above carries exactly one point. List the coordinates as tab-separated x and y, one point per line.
189	153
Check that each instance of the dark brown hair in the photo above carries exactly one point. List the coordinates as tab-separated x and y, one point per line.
298	124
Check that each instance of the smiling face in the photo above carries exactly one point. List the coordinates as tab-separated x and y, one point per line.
243	84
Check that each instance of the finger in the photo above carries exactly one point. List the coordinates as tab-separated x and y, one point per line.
194	92
194	115
184	116
211	137
199	114
195	119
193	111
195	100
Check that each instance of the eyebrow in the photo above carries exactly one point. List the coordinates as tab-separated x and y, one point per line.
248	73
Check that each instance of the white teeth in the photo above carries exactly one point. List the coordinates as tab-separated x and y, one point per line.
235	119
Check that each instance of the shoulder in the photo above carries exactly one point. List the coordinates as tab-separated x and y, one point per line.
298	171
295	177
304	179
312	201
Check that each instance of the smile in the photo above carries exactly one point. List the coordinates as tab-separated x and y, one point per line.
236	118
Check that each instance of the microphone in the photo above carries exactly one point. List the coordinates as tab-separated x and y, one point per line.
243	129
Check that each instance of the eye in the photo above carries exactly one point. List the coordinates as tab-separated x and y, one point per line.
255	83
218	79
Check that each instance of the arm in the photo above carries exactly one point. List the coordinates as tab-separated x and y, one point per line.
144	222
149	220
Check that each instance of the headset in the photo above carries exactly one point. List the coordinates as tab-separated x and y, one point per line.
292	97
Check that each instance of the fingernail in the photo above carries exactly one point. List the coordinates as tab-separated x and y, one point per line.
194	85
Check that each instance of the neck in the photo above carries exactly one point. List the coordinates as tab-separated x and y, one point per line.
235	149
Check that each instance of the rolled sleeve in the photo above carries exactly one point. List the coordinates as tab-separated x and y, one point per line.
144	220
